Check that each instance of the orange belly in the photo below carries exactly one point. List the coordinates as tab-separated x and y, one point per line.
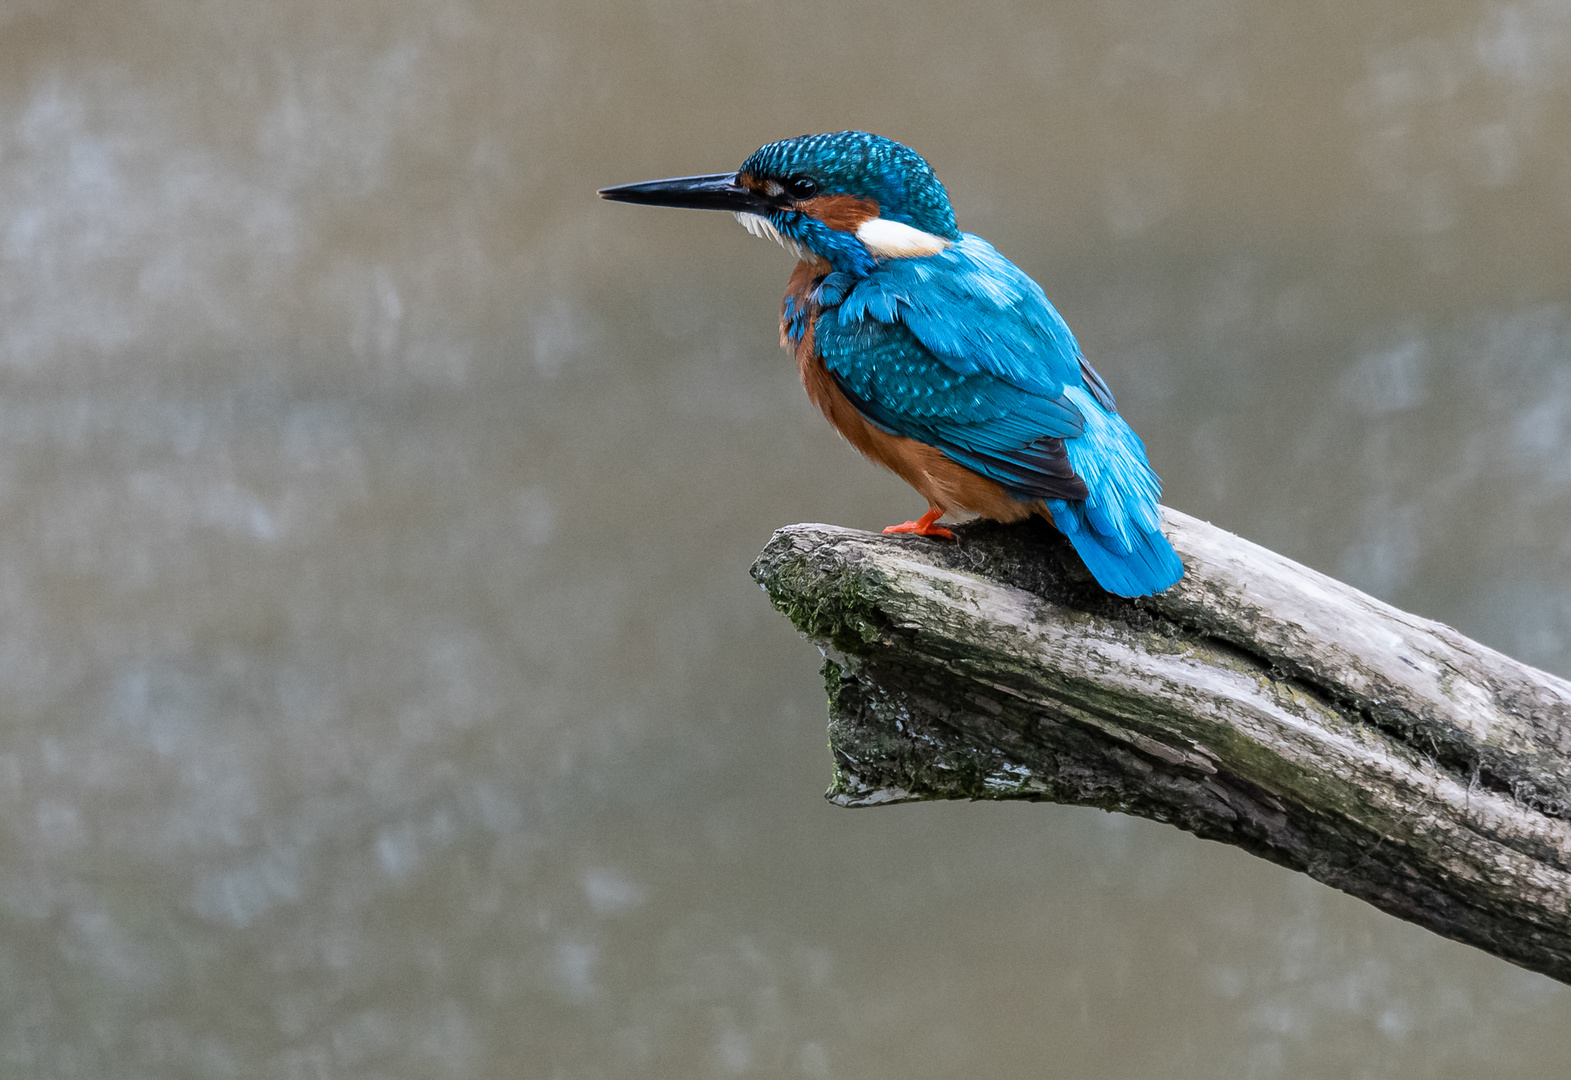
943	483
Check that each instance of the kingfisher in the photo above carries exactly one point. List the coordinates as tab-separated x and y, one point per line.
936	357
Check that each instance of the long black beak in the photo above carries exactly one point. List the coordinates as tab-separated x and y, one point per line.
718	191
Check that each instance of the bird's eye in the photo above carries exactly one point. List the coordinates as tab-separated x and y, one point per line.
801	187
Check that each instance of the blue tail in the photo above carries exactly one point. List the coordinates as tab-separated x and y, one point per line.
1138	563
1116	529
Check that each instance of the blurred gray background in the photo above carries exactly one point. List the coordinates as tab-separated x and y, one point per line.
382	690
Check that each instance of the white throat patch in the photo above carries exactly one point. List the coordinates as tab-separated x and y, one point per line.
896	240
759	226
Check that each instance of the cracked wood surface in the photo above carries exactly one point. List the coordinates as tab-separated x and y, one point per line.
1257	702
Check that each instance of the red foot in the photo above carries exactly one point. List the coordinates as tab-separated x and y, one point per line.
923	526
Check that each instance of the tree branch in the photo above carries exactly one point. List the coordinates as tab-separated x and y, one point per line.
1257	702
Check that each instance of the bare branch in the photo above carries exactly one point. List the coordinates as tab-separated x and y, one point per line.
1258	703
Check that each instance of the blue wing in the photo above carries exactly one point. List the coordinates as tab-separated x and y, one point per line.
975	312
1011	435
962	351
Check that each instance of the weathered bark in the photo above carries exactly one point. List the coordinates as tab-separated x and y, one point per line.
1257	702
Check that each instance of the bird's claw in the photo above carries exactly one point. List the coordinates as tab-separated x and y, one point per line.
926	525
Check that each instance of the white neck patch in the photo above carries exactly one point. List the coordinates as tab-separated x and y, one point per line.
895	240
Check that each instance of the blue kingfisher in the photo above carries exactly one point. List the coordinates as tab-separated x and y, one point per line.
935	356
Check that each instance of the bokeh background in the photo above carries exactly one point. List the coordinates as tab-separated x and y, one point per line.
382	690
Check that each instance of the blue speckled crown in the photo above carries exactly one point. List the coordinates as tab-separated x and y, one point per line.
867	166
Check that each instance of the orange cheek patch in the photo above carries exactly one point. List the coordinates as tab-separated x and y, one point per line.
841	212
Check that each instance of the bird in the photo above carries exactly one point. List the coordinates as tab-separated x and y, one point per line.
936	357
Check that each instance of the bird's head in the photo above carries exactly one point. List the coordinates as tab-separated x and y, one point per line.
848	199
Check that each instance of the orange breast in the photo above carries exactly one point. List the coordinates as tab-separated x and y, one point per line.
943	483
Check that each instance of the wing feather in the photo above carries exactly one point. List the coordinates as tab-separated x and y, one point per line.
962	351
